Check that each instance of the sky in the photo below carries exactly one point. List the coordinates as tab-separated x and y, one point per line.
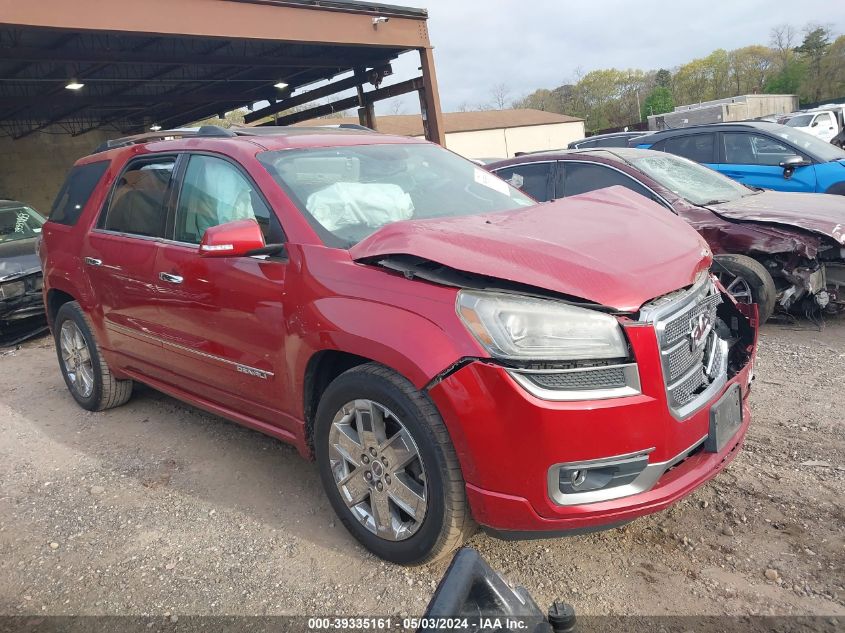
530	44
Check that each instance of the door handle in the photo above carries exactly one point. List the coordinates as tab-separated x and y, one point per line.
171	279
90	261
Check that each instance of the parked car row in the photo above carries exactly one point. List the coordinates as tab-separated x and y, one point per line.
450	351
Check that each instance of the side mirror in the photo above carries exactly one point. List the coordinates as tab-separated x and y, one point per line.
790	164
233	239
814	124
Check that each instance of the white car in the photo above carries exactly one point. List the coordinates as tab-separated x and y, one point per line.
824	124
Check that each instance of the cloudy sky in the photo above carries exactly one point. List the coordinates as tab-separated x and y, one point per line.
529	44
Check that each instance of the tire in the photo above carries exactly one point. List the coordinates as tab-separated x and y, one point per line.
838	189
368	393
86	373
729	268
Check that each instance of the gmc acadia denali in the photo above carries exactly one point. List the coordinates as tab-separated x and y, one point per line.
449	351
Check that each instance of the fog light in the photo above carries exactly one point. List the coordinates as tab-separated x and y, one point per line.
578	477
601	475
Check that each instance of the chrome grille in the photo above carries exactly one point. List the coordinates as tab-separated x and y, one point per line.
692	369
680	326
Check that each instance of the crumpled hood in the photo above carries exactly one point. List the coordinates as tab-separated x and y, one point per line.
820	213
611	247
18	257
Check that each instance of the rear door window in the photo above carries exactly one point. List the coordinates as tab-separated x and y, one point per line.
77	189
581	177
697	147
531	178
138	204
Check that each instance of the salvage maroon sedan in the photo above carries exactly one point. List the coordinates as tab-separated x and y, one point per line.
777	249
449	351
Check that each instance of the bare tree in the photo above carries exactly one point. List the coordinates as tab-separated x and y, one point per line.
782	39
464	107
501	96
396	108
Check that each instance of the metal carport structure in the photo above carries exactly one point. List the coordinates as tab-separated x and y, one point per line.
172	62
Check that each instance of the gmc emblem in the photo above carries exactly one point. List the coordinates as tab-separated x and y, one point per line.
700	328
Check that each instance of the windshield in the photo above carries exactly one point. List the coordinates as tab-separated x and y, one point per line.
699	185
819	149
802	120
19	223
348	193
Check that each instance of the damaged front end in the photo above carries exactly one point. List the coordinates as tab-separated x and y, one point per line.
705	340
21	307
809	285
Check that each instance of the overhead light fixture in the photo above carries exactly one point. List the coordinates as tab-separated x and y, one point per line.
73	84
281	85
155	128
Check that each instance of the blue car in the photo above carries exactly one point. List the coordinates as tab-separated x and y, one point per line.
757	154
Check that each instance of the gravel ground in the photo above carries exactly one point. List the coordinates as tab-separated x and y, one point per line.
157	508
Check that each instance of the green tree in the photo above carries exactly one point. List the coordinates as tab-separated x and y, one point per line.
788	81
813	50
663	78
658	101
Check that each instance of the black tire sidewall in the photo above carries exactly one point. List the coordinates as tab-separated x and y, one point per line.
72	312
359	385
762	289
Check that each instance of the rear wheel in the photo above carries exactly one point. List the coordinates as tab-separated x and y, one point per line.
748	281
86	373
389	468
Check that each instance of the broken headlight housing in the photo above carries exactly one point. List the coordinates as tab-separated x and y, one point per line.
12	289
564	352
514	327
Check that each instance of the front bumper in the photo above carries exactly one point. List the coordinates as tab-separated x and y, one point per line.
23	316
507	440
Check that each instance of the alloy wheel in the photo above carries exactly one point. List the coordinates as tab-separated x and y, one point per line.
378	470
76	357
737	287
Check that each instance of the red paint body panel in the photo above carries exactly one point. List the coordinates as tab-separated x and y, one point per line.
507	439
603	247
236	335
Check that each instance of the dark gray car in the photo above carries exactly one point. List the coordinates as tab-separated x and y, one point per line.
21	304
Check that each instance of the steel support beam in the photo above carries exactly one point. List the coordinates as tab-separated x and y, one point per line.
432	113
370	98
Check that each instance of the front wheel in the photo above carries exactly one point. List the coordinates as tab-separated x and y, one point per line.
389	468
747	281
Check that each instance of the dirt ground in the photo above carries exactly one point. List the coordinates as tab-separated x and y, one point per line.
158	509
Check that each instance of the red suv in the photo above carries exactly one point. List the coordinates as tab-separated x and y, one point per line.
448	350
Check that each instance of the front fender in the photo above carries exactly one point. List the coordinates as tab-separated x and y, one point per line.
410	344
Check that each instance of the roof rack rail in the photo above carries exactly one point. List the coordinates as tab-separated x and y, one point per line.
162	135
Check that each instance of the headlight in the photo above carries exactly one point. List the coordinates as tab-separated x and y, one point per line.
524	328
12	289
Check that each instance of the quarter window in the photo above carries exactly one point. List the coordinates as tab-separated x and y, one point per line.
532	178
216	192
76	191
138	204
581	177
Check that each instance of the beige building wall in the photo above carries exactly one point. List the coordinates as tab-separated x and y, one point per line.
504	143
32	169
